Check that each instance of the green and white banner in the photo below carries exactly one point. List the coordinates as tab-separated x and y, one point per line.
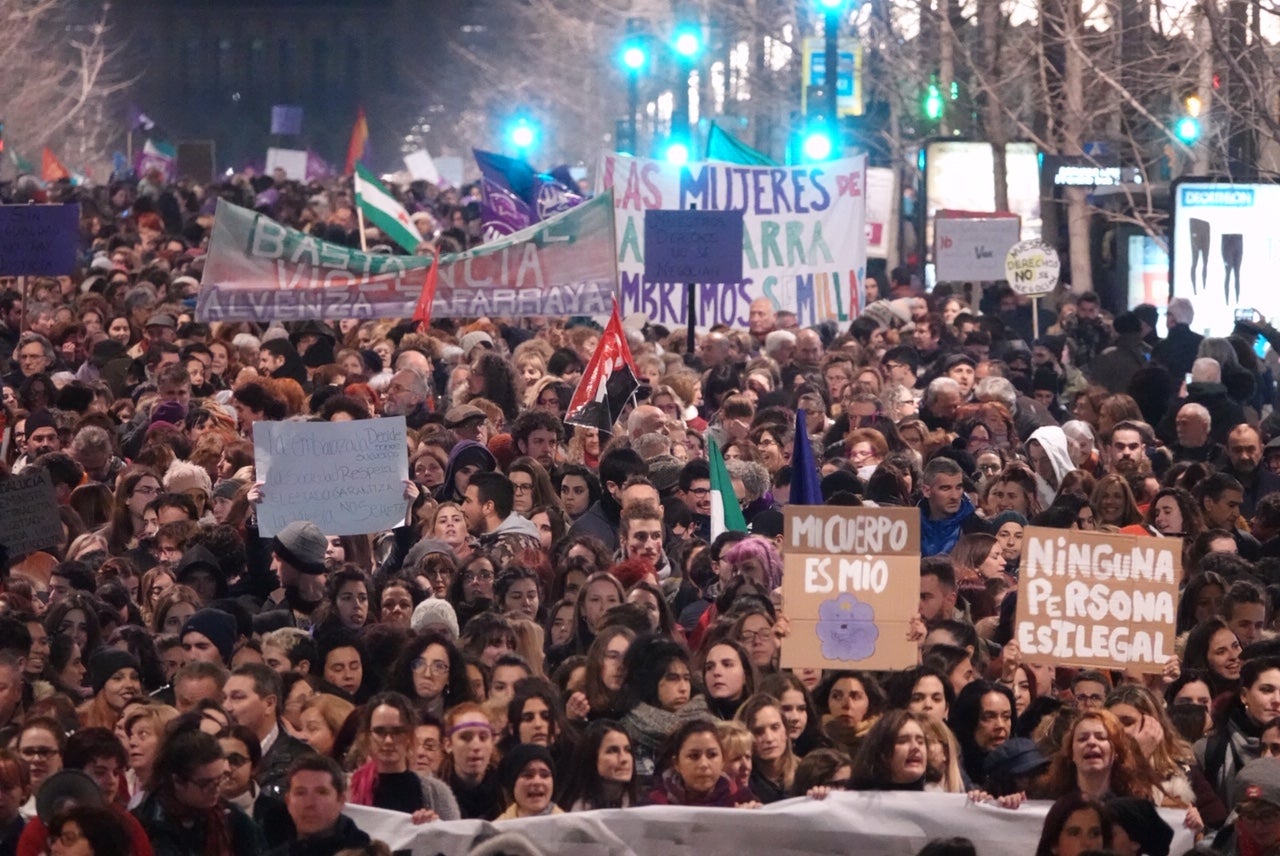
260	270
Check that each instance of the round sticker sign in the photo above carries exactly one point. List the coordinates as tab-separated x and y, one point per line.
1032	268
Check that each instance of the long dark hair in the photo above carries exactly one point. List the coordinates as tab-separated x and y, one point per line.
456	690
583	779
875	751
180	755
645	665
1060	812
1196	653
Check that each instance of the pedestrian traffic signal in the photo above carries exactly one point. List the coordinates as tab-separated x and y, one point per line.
933	105
677	152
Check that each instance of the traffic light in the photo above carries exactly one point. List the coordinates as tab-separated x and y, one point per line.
818	144
688	41
1187	128
634	57
523	135
933	105
830	4
677	152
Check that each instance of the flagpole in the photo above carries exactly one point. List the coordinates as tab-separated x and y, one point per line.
364	244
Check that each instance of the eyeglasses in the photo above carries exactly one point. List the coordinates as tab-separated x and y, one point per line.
753	638
39	751
522	488
209	783
1089	698
699	491
236	760
436	667
382	732
147	491
478	577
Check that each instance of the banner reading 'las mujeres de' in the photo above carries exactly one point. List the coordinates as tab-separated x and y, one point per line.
804	243
260	270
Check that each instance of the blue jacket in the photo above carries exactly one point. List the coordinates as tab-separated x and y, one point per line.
940	536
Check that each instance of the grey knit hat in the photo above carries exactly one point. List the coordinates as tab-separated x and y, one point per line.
302	545
434	611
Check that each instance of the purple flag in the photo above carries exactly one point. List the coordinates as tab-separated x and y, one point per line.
553	197
286	120
502	212
317	167
139	121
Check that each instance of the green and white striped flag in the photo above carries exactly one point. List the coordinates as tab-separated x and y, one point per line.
726	514
382	210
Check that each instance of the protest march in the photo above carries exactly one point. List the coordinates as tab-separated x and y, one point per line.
623	514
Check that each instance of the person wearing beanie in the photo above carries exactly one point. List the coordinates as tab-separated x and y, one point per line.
42	438
434	612
115	677
298	552
527	775
209	636
465	460
224	492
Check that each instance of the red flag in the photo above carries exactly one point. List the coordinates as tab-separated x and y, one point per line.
359	136
51	169
422	312
609	381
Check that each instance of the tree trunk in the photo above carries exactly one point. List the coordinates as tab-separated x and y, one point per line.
1072	129
993	120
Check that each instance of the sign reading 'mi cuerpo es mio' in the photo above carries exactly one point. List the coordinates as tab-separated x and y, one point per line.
345	477
804	243
260	270
1096	599
850	584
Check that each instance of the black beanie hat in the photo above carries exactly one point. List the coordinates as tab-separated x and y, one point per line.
217	626
106	662
519	758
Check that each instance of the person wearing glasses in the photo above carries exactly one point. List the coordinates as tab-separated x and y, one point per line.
387	779
184	813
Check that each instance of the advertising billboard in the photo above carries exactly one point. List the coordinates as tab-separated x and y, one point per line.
1225	250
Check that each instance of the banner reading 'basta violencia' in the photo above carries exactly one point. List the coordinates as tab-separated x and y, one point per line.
803	245
260	270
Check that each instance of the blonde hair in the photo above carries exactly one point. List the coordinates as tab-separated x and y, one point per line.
735	738
937	732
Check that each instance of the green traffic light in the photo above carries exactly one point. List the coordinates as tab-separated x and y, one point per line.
1187	129
933	103
688	41
677	153
817	146
830	4
634	58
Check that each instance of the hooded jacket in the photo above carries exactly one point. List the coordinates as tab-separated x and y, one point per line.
464	453
1054	442
510	538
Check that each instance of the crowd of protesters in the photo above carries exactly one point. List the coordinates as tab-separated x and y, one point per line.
554	629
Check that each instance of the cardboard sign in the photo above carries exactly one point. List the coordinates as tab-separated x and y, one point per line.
345	477
1098	600
29	518
292	161
1032	268
850	584
38	240
973	249
692	246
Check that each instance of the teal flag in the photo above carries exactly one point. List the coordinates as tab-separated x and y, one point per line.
723	146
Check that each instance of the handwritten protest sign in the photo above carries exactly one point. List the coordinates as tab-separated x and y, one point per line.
38	240
850	584
973	248
692	246
804	242
1097	599
1033	267
29	518
345	477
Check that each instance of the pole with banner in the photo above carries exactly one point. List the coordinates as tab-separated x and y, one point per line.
1032	269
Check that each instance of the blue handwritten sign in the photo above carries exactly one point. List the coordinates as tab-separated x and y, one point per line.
693	246
345	477
38	240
